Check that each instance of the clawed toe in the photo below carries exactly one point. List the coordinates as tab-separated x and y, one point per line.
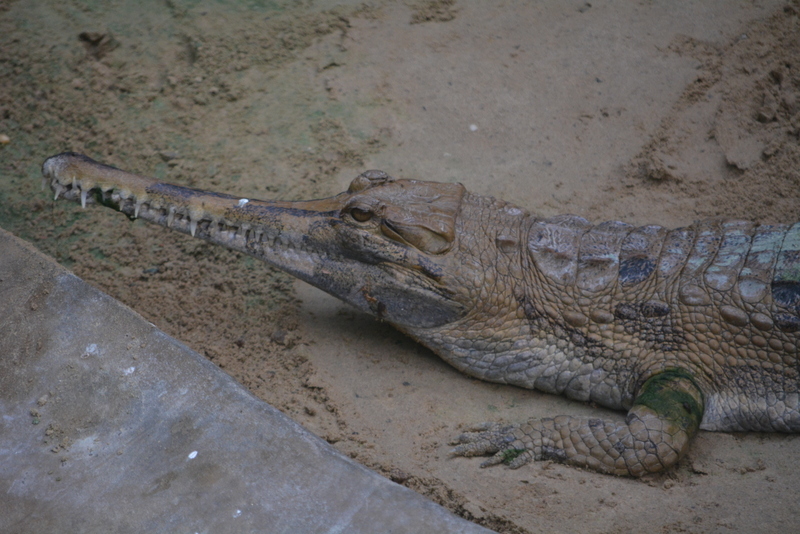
473	448
490	438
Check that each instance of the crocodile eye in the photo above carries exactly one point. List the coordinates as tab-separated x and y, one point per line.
360	215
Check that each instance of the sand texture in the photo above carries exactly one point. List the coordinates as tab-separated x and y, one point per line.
647	112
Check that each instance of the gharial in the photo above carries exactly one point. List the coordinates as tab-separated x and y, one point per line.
687	329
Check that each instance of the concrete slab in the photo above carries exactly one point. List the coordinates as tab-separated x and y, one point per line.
110	425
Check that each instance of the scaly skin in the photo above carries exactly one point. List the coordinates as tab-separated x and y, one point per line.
687	329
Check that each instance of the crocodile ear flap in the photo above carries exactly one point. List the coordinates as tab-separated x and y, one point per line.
419	237
426	218
368	179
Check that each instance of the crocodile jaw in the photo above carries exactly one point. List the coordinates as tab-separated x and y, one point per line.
311	240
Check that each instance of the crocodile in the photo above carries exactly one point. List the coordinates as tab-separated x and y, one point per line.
686	329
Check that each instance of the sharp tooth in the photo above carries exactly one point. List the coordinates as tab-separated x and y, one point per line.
171	216
136	209
74	182
193	226
83	198
59	189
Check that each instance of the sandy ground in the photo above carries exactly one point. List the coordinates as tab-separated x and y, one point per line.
640	111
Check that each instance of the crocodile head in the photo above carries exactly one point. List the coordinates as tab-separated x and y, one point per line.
385	246
388	247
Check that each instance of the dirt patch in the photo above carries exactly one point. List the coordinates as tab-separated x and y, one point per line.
733	134
274	100
433	11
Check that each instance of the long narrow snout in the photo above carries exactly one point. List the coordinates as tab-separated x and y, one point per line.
276	232
303	238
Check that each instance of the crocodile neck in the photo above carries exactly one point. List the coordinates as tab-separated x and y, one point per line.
513	333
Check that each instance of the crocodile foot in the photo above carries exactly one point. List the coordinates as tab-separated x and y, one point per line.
513	445
664	418
508	444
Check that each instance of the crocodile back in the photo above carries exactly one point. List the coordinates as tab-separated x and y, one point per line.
721	298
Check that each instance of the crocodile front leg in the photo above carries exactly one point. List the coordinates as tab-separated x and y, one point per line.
664	418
